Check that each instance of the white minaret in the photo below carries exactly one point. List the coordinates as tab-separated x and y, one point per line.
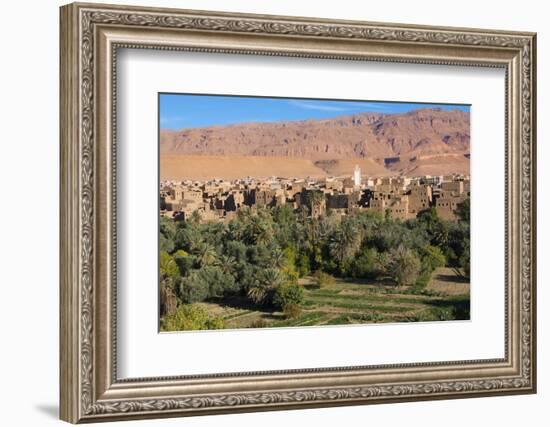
357	176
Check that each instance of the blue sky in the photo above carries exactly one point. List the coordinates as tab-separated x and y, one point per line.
178	111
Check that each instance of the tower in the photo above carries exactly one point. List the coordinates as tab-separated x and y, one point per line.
357	176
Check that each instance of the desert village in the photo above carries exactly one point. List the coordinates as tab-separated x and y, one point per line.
401	197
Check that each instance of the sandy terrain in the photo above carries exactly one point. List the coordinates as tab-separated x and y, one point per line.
173	166
434	165
345	167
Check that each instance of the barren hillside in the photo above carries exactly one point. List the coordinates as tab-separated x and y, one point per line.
431	140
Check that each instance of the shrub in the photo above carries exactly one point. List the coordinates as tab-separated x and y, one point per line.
438	314
288	293
289	254
322	279
303	265
191	318
444	314
423	316
458	243
330	265
167	265
369	264
423	280
258	323
464	262
292	311
433	258
404	266
292	276
371	317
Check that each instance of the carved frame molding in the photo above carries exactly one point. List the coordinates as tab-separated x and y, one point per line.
90	38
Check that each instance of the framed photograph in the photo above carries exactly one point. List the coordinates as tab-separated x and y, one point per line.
267	213
291	212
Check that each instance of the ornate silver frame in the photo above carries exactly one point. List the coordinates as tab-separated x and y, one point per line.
90	36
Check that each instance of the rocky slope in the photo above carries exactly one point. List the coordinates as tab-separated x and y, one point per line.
399	143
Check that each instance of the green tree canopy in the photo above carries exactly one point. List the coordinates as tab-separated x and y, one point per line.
404	266
288	293
167	265
463	210
266	282
191	318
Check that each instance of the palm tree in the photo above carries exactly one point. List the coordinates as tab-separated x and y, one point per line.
236	230
337	246
267	281
278	258
207	255
189	238
258	230
195	217
314	232
227	264
345	241
314	199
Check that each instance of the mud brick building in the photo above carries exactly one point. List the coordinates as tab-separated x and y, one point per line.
400	197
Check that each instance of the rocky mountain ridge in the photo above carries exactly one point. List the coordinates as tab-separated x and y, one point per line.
399	143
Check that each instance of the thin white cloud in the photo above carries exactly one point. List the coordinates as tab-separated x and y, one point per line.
308	105
175	119
347	106
370	106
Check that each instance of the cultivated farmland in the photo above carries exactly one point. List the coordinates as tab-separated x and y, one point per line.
356	301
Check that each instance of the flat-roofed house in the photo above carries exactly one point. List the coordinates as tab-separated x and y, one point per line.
446	206
420	198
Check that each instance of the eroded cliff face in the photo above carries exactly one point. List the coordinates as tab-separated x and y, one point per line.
428	139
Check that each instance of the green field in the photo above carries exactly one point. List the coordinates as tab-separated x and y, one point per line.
447	297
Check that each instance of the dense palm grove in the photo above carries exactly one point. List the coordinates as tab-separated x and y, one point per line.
261	254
